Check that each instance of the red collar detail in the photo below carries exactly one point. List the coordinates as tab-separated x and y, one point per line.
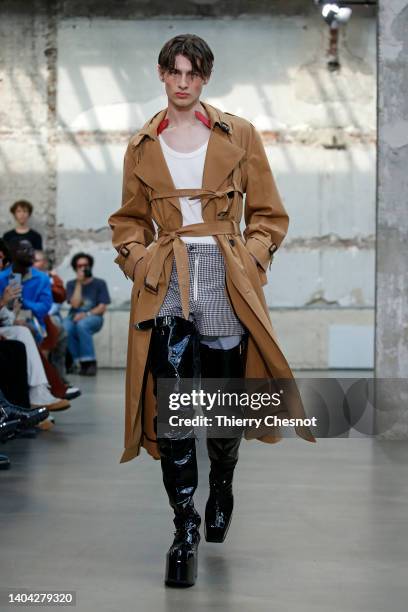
165	122
162	125
203	118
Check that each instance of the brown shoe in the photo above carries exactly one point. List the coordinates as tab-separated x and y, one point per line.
46	424
61	404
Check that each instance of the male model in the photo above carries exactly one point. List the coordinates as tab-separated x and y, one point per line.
197	293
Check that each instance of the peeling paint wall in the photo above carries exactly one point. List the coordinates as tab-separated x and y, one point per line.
76	87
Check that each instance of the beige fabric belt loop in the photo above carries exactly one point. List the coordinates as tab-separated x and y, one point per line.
170	239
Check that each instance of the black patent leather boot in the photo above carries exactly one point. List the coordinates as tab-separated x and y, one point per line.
222	452
8	427
28	418
172	355
179	466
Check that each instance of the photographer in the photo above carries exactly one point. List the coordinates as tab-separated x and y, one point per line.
88	297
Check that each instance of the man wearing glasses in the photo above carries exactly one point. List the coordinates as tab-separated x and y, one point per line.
88	297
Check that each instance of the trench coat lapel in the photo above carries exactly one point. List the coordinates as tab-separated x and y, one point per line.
221	157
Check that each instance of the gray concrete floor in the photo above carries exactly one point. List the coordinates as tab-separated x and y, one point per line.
316	527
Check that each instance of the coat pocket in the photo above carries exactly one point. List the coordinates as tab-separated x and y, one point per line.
261	272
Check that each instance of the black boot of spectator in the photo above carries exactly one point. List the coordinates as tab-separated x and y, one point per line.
88	368
7	427
28	418
4	462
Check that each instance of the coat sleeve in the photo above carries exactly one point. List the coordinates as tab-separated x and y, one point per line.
266	219
132	226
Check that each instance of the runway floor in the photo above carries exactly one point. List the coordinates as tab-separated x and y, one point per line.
316	527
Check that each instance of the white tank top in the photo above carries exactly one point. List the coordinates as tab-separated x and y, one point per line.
186	170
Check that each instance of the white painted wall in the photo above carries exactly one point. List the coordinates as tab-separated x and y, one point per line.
271	70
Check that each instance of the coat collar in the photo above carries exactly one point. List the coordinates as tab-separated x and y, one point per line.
221	158
217	117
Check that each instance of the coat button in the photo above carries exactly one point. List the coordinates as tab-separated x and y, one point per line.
232	242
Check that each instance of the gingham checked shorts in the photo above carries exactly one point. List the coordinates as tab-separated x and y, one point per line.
210	307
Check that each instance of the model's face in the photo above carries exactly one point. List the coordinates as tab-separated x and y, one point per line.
183	85
21	215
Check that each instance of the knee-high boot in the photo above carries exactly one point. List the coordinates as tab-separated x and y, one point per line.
222	452
171	355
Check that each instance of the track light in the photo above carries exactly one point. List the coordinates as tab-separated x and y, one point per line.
334	14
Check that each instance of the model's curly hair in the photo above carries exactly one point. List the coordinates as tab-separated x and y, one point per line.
191	46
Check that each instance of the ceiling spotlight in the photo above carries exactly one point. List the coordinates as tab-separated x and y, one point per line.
333	14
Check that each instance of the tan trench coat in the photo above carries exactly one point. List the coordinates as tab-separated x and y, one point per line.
236	163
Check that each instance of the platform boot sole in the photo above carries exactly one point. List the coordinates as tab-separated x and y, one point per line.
181	569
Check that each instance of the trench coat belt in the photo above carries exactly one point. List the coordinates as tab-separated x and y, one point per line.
192	194
170	239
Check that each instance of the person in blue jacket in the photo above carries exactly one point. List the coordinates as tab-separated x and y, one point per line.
35	295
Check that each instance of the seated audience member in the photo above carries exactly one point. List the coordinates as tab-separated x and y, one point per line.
54	346
56	354
88	297
36	296
4	255
22	211
39	394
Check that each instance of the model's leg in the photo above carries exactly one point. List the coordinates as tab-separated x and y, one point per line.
222	452
171	355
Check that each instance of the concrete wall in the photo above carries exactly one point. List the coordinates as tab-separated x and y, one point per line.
391	350
77	87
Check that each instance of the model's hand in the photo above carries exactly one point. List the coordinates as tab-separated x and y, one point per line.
79	316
